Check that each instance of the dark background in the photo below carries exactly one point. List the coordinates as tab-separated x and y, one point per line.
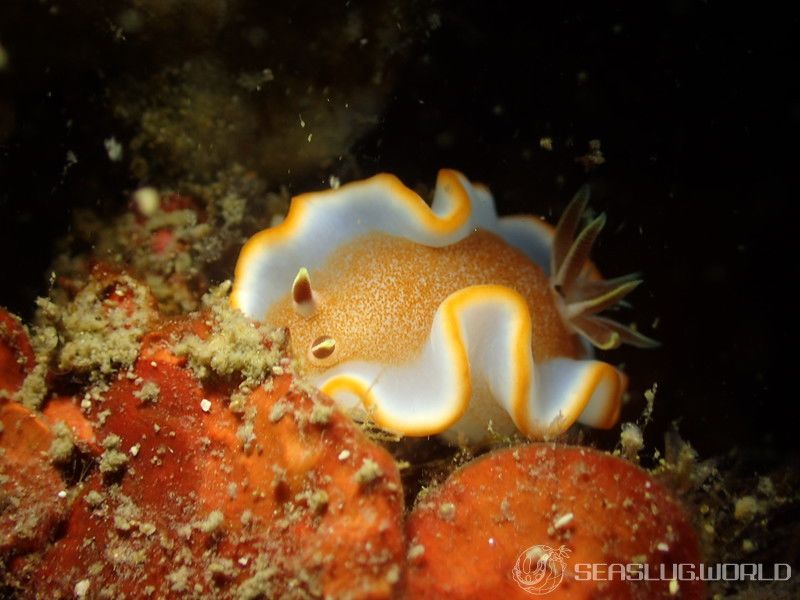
696	109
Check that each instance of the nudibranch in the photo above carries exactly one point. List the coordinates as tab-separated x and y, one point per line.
441	319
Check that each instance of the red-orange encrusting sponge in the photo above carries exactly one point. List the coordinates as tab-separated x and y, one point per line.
29	485
16	355
476	535
283	498
30	505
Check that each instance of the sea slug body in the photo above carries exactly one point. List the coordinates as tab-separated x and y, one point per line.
441	319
